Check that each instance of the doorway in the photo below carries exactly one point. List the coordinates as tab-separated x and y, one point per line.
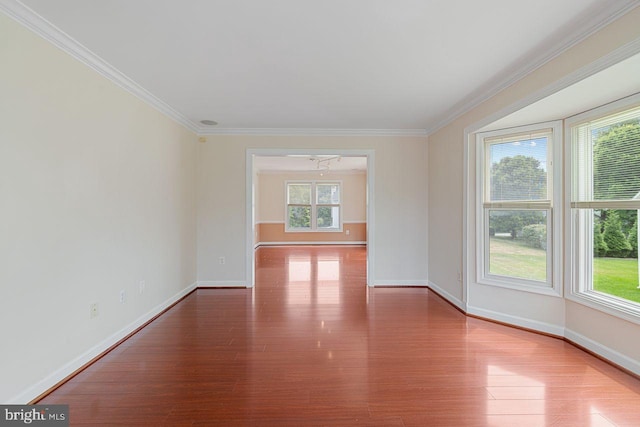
320	162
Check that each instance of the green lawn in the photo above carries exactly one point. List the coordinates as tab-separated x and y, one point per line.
614	276
511	258
617	276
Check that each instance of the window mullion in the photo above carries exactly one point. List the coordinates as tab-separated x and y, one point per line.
518	205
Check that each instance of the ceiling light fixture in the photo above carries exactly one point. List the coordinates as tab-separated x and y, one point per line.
208	122
324	164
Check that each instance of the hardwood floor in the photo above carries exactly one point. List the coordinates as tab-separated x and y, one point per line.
311	345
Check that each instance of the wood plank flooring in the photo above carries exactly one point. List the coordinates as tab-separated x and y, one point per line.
311	345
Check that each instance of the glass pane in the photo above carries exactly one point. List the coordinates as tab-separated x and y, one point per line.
328	217
518	170
616	161
299	216
518	244
615	251
299	194
328	194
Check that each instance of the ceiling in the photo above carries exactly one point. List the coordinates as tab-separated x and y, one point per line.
287	66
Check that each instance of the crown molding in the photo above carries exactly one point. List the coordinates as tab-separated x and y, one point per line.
34	22
587	27
610	59
45	29
312	132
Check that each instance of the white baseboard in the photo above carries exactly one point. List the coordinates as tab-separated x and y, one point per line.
59	375
446	295
536	325
604	351
221	284
400	283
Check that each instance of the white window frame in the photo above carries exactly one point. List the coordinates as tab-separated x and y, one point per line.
314	206
553	206
579	235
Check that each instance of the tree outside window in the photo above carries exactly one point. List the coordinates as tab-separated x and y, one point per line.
616	177
313	206
517	205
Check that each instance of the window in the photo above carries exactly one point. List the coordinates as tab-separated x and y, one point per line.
605	206
313	206
517	208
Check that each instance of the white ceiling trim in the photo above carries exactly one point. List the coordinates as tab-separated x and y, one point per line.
30	19
312	132
623	52
27	17
589	26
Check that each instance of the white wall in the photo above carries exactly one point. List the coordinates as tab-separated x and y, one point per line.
270	204
400	203
446	220
445	213
97	192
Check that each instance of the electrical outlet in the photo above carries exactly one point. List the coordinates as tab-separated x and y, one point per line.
122	296
93	310
222	260
141	287
348	231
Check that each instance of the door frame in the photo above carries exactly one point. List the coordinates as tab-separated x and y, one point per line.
250	201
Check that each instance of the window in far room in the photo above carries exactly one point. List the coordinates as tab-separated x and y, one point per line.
313	206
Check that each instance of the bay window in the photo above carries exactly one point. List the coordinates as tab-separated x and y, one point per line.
605	207
518	202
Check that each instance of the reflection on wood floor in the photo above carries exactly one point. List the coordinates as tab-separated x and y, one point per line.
311	345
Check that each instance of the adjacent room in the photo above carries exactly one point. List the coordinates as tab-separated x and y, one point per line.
331	213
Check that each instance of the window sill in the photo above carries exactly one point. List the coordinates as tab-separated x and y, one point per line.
299	230
521	286
616	307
